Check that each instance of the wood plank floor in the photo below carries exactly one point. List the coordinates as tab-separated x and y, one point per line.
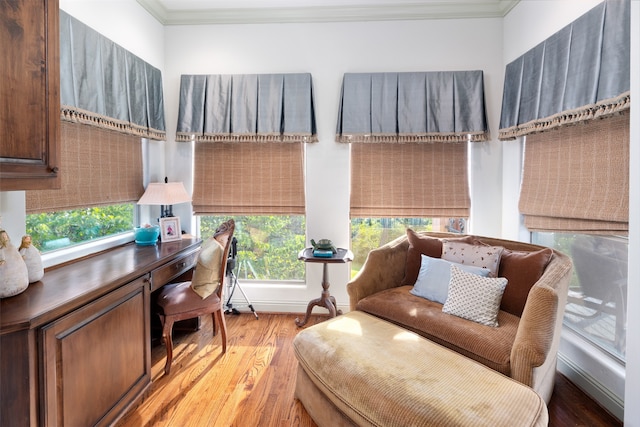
253	383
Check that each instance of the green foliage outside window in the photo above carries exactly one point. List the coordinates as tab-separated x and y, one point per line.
268	246
55	230
371	233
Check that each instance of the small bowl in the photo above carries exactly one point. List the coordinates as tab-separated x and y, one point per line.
147	236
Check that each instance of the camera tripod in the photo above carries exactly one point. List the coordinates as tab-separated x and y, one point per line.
233	281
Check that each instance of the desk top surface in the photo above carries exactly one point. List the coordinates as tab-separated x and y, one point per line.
70	286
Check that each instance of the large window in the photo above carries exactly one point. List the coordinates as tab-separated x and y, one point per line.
596	305
268	245
371	233
56	230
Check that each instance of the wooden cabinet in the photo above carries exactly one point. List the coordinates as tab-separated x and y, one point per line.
29	95
75	346
97	359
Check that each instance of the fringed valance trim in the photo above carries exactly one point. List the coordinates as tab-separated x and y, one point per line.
236	138
599	110
77	115
406	138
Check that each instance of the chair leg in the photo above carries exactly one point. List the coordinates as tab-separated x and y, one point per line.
215	324
223	328
167	327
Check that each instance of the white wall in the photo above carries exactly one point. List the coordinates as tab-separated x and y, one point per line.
327	51
528	24
632	384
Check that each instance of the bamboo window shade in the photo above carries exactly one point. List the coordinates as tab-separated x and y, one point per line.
576	178
409	133
249	131
409	180
248	179
98	167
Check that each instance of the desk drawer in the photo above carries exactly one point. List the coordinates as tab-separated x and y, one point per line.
163	275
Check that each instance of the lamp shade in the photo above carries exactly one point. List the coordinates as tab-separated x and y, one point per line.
167	193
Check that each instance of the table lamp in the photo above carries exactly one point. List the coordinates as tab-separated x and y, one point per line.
166	195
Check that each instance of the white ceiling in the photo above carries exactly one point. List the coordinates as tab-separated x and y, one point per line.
189	12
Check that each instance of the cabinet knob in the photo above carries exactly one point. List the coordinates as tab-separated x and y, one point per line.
54	169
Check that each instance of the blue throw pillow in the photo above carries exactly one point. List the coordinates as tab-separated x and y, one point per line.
434	276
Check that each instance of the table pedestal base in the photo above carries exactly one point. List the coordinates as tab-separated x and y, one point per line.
325	300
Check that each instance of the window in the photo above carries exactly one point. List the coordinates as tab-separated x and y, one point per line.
596	305
102	181
55	230
268	245
371	233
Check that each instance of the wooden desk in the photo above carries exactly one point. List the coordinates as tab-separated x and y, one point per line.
89	322
325	300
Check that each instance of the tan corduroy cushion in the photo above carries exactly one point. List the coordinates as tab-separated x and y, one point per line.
206	276
489	346
379	374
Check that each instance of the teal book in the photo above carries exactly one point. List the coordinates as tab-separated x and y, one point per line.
323	253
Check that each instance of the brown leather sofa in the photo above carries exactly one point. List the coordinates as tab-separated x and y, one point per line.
524	344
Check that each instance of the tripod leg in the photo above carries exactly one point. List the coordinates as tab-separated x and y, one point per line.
247	299
232	284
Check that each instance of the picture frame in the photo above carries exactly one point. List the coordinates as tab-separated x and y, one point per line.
170	229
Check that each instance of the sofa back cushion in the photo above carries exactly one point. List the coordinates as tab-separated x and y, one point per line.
522	270
423	245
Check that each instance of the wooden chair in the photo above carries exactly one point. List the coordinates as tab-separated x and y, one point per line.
178	301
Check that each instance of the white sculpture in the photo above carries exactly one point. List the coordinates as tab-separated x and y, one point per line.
14	277
32	259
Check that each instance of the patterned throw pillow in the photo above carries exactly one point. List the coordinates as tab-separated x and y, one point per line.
473	297
420	244
477	255
435	275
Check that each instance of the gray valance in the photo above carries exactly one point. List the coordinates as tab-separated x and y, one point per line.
104	85
579	73
412	107
246	108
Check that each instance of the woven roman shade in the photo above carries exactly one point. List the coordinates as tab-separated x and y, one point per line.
99	167
249	130
409	180
580	73
248	179
576	178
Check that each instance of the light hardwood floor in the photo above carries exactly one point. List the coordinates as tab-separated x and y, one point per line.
253	383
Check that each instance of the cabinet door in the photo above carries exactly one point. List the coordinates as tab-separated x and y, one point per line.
29	94
97	359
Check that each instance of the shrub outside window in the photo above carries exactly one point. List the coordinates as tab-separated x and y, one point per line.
268	245
56	230
370	233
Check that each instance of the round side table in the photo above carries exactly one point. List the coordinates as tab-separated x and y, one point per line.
325	300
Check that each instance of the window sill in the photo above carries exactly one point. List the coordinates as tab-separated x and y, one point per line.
63	255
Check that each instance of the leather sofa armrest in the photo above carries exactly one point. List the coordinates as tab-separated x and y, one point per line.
383	269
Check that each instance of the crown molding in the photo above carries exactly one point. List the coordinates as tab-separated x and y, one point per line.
456	9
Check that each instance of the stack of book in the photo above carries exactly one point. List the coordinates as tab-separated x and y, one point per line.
323	253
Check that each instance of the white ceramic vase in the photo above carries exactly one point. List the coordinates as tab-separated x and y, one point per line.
14	277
